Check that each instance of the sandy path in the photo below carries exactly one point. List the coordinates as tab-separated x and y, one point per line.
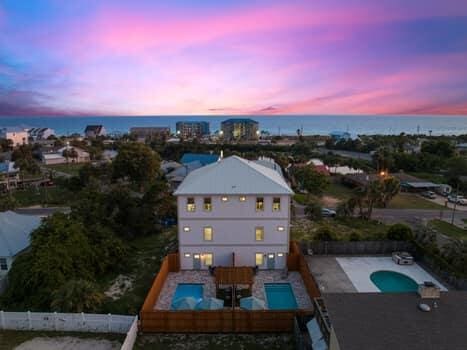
68	343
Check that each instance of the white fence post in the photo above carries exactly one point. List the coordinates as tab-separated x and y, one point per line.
2	319
109	319
55	321
83	320
29	320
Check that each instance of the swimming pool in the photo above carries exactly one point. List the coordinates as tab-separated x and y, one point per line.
393	282
280	296
184	290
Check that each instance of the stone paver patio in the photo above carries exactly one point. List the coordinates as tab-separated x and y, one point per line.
209	289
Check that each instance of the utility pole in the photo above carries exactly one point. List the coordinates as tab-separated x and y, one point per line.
455	204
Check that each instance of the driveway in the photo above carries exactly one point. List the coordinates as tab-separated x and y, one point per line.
444	202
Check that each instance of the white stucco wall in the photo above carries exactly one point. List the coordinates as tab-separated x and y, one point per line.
18	138
233	223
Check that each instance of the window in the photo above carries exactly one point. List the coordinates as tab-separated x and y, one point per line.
207	259
186	229
276	204
224	199
259	203
259	233
3	264
190	204
207	204
207	233
242	199
280	228
187	255
259	259
280	255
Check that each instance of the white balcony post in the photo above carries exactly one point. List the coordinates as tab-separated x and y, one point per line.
29	320
2	319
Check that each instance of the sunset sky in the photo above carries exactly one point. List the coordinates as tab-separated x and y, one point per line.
116	57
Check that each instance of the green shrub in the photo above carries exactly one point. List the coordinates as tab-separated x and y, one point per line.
354	237
400	232
324	233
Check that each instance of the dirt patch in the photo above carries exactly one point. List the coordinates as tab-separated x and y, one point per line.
120	286
68	343
330	202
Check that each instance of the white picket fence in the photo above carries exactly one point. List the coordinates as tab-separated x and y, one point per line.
131	336
66	322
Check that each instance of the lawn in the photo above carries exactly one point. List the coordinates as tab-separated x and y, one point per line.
11	339
46	196
342	229
412	201
143	262
215	341
71	168
339	191
448	229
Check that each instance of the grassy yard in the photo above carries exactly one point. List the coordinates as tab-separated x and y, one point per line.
215	341
412	201
448	229
11	339
339	191
49	196
342	229
71	168
144	259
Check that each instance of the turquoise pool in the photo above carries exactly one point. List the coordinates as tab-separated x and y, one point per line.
393	282
184	290
280	296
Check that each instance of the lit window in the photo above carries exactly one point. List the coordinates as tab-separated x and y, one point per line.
207	233
259	259
187	255
224	199
190	204
280	255
207	204
259	203
3	264
271	256
259	233
280	228
207	259
186	229
242	199
276	204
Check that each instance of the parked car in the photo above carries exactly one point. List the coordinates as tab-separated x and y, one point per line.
458	199
326	212
429	194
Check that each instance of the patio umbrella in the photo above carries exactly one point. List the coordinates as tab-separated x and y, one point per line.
252	303
210	304
186	303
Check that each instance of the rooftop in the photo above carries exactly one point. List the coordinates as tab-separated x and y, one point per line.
240	120
203	158
15	230
387	321
234	175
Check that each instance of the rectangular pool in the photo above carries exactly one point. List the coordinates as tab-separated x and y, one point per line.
184	290
280	296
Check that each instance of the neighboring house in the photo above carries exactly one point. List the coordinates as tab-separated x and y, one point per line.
233	212
177	175
150	132
40	133
192	129
58	156
240	129
15	231
389	321
18	136
9	175
93	131
408	182
203	158
168	166
344	170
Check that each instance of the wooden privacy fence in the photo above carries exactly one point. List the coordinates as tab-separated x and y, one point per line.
226	320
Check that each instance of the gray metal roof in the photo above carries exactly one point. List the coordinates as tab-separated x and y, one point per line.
234	175
15	230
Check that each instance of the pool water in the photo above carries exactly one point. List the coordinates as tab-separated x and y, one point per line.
393	282
280	296
184	290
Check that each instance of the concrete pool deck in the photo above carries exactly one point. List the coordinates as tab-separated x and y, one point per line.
359	269
338	274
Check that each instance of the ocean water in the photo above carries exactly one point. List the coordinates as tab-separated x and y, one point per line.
277	124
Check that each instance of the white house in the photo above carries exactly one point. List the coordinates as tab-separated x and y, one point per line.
40	133
18	136
15	231
233	211
57	157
